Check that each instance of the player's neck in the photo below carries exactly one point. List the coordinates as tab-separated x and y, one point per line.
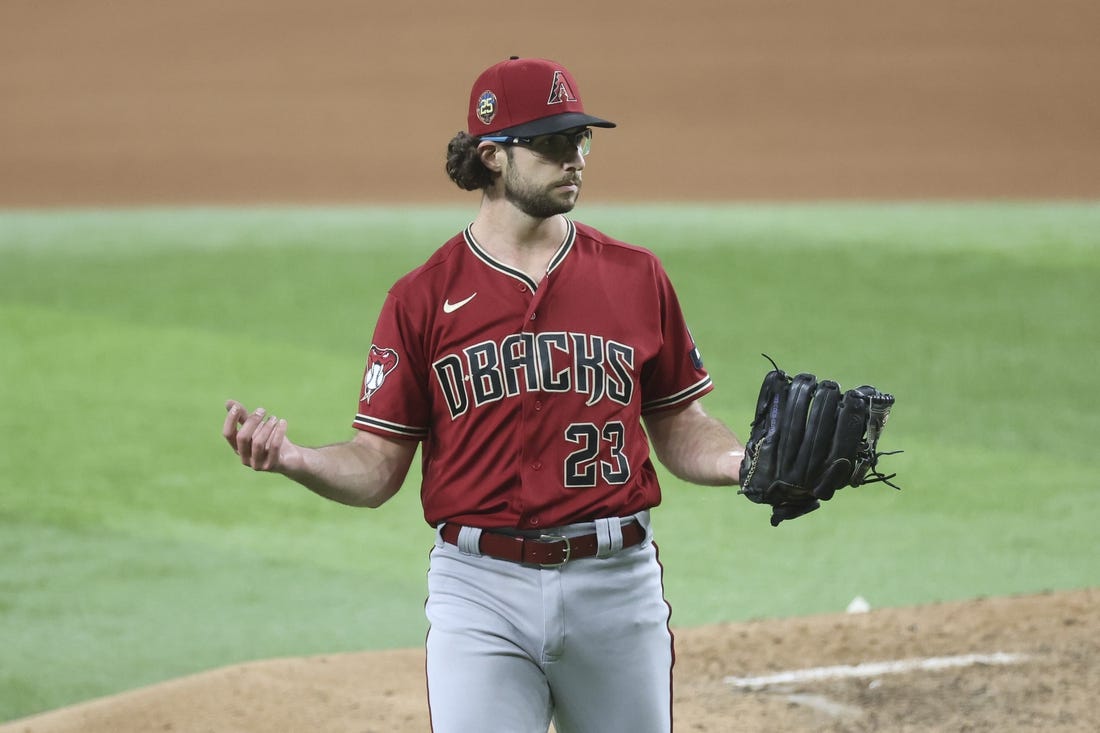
520	241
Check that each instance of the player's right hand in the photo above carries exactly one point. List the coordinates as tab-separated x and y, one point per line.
258	438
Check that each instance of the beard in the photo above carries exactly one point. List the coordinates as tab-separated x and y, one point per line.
536	202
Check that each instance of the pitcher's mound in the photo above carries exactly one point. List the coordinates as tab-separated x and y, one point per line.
1001	664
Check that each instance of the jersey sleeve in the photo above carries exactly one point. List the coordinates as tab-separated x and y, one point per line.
675	376
393	397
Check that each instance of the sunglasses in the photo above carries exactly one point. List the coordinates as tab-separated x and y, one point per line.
562	145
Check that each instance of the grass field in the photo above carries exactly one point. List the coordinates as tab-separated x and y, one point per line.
136	549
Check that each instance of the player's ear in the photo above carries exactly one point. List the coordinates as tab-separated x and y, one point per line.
492	155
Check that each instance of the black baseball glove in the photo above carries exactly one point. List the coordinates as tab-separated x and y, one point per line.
809	439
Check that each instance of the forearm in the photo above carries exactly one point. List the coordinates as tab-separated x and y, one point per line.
709	454
350	473
365	471
696	447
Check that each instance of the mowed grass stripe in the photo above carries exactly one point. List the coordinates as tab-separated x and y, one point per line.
123	512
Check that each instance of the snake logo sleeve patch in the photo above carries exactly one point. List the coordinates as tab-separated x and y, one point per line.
380	364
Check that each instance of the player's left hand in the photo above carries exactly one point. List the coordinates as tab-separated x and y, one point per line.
810	439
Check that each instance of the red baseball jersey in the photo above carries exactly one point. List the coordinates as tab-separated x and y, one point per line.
528	396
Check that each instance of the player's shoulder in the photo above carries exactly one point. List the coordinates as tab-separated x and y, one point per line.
608	248
434	267
592	235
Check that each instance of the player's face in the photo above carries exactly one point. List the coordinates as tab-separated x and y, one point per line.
541	185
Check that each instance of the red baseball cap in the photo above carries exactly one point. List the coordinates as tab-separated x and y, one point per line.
527	97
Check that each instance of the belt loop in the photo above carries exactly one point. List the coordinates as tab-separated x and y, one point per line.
644	519
609	536
469	541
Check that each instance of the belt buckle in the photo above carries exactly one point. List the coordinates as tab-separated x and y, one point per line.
548	538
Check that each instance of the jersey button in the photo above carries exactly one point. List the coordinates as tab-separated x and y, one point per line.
534	521
537	465
538	404
532	316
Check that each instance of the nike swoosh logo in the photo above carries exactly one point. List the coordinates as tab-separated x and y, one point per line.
449	307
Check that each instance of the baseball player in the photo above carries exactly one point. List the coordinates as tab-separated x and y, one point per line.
535	360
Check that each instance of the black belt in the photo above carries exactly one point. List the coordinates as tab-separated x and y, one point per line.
548	550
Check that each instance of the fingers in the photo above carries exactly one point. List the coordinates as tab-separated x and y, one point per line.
257	437
235	413
246	436
267	441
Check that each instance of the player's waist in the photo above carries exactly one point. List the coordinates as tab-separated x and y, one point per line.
551	547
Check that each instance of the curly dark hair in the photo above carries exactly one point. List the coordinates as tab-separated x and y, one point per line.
464	165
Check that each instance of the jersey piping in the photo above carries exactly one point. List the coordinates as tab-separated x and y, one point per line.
685	395
406	431
488	259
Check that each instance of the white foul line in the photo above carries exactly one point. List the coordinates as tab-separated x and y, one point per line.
873	669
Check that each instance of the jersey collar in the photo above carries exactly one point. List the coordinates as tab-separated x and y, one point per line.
555	261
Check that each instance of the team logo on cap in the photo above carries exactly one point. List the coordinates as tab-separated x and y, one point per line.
486	107
560	91
379	365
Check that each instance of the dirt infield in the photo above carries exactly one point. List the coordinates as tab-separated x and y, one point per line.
336	101
129	101
1044	678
